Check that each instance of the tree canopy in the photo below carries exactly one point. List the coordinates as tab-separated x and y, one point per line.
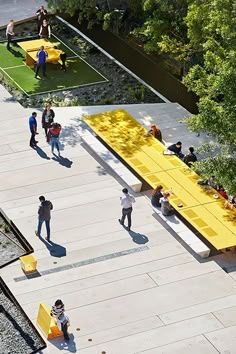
201	36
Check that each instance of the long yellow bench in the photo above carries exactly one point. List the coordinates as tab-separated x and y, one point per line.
145	155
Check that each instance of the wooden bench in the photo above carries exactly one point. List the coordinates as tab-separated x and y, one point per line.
145	156
47	323
116	165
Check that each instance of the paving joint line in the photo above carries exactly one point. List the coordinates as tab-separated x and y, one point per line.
84	263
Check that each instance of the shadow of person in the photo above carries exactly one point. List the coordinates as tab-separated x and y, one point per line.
63	161
41	153
61	344
54	249
138	238
16	53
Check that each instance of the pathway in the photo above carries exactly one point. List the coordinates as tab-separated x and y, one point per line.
142	292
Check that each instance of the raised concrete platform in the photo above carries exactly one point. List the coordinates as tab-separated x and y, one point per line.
137	292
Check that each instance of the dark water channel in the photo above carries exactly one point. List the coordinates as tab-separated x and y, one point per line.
143	66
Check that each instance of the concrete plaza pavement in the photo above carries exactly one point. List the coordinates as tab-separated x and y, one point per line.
137	292
18	9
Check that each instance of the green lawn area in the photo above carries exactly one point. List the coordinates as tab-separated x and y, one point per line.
78	72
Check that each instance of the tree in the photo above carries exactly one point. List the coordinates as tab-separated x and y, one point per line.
211	31
164	29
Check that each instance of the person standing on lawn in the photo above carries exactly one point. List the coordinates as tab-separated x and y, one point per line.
126	202
42	59
44	215
54	133
33	129
41	15
47	118
10	33
45	30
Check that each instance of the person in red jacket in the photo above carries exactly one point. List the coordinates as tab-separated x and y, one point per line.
54	133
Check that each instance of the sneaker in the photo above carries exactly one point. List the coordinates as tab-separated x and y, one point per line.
47	238
128	228
120	222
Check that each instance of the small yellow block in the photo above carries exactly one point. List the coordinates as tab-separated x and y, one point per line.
28	263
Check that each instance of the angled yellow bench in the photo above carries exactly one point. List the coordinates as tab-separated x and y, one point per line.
144	154
47	323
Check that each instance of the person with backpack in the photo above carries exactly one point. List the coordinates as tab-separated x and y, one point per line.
44	215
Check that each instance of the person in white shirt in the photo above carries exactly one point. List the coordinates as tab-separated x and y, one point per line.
9	33
126	202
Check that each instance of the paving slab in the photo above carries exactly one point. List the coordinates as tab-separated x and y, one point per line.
223	340
195	345
130	292
158	337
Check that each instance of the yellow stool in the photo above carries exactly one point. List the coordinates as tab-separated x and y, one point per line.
28	263
47	323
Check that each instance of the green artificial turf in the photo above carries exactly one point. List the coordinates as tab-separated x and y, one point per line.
78	72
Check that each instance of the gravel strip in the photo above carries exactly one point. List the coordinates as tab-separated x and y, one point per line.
17	335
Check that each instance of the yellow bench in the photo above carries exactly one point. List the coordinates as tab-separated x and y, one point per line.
145	155
47	323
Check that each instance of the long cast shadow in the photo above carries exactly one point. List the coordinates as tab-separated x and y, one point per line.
138	238
61	344
42	153
54	249
63	161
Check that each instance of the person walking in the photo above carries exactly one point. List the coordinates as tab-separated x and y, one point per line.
41	14
126	202
58	312
47	118
42	59
44	215
54	133
10	33
33	129
45	30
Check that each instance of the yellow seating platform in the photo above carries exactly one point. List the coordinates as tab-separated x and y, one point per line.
145	155
47	323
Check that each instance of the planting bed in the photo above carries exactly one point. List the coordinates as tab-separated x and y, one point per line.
120	87
17	333
12	243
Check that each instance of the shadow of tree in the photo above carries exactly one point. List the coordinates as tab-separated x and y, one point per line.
121	131
70	135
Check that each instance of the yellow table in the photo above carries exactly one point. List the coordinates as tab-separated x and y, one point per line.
32	47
